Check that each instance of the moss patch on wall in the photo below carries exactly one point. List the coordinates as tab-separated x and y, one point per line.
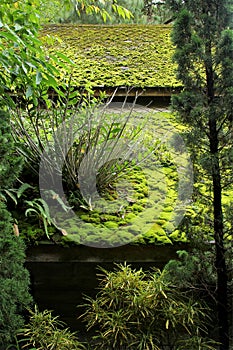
117	55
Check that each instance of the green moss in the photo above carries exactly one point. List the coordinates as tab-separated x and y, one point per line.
161	222
129	217
163	240
117	55
87	228
168	208
168	227
135	230
137	208
179	236
111	224
156	229
90	218
141	188
165	216
108	217
73	229
151	214
156	235
145	202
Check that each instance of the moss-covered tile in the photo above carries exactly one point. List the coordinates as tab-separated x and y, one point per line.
117	55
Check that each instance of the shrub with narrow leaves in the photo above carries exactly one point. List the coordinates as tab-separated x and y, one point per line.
45	331
143	311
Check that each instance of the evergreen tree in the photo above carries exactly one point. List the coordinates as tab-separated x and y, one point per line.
10	163
14	278
203	38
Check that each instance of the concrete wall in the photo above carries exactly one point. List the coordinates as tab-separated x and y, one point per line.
61	276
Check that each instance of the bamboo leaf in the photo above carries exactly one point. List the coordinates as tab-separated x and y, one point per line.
64	58
38	77
29	91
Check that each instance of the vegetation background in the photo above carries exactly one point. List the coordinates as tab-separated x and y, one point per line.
202	33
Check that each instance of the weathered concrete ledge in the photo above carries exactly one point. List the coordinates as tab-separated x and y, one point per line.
60	276
134	253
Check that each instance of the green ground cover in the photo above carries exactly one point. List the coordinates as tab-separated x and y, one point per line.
139	207
117	55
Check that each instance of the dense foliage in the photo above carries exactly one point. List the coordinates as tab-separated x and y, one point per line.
103	11
14	278
26	72
133	196
45	331
30	70
139	310
203	38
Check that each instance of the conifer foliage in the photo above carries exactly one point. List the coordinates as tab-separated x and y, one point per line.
203	38
14	278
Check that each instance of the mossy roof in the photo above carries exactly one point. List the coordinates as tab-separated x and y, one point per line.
117	55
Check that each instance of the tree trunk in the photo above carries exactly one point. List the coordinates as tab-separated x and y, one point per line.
220	260
149	11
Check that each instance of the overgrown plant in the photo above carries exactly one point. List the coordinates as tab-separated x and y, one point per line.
40	209
80	144
14	193
203	37
26	73
138	310
103	9
45	331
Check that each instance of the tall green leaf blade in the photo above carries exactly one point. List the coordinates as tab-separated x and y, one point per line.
38	77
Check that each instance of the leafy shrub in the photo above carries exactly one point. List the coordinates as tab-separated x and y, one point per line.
96	139
47	332
138	310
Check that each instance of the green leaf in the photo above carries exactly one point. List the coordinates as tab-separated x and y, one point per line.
12	196
46	227
60	201
8	36
24	68
16	37
45	206
30	65
38	77
64	58
31	210
104	17
18	26
22	189
29	91
50	81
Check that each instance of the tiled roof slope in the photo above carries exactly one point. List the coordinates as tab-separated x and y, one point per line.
117	55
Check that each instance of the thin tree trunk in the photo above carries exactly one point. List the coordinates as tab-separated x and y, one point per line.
149	11
220	260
